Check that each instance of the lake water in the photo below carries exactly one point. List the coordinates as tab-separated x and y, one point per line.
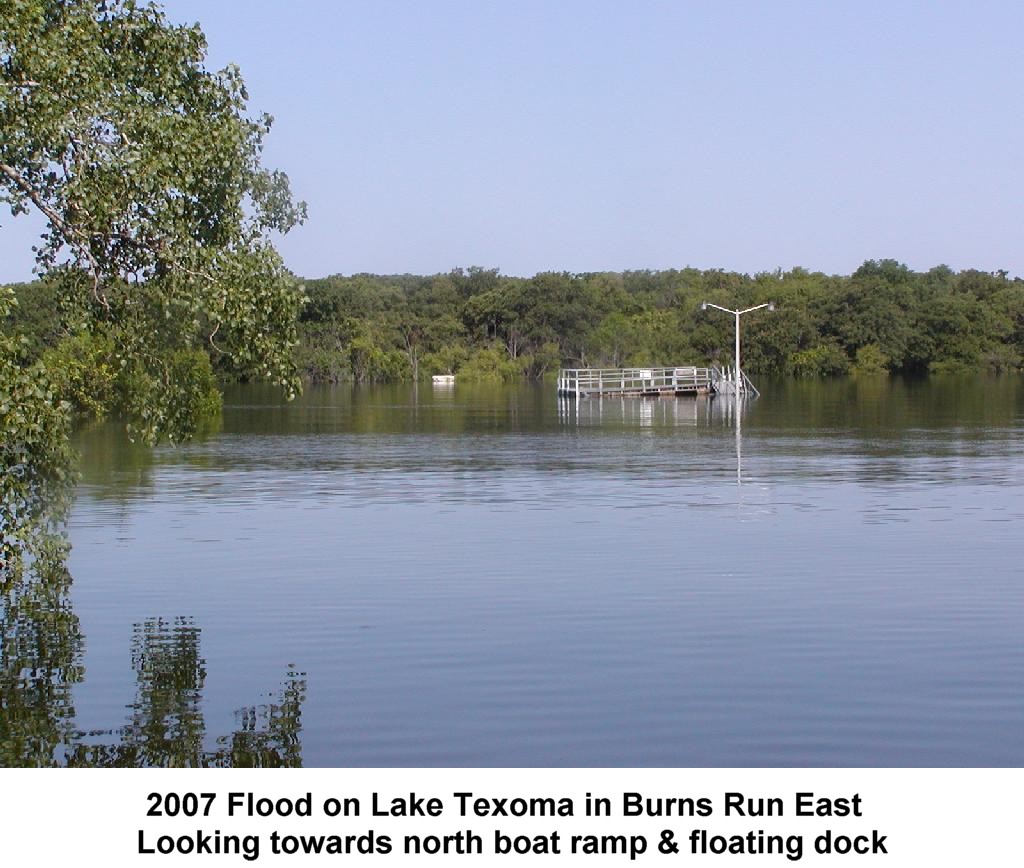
492	577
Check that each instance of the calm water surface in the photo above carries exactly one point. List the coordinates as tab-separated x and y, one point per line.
488	576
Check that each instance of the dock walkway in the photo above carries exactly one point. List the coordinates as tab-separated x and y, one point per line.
648	382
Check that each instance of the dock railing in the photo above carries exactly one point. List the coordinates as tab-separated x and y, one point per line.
642	381
723	382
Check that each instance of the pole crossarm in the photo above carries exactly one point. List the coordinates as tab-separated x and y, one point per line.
738	312
738	382
719	307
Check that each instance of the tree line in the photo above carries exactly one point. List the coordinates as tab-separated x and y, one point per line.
482	325
485	326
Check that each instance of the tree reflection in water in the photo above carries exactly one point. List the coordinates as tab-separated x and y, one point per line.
41	650
40	661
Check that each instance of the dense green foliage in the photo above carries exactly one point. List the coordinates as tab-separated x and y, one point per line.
147	171
156	259
35	459
485	326
491	328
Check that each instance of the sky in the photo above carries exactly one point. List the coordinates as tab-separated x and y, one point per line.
584	136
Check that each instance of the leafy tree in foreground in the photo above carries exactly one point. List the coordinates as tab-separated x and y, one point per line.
35	457
146	168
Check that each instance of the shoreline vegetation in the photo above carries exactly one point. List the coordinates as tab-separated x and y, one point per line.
486	327
483	326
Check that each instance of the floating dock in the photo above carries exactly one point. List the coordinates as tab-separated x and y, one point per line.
650	382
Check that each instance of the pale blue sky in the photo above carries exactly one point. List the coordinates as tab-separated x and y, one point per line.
610	135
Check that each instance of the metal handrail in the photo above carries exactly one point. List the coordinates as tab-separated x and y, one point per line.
582	381
725	384
611	380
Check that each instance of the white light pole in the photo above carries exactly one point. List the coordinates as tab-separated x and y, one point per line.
737	313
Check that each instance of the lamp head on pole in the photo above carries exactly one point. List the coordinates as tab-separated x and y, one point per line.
704	305
771	305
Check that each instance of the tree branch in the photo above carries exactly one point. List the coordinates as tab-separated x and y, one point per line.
75	237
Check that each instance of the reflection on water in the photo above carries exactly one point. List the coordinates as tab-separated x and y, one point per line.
828	575
691	412
39	664
643	412
42	653
166	725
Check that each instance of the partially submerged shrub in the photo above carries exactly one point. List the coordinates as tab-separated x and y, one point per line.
870	361
491	365
824	360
